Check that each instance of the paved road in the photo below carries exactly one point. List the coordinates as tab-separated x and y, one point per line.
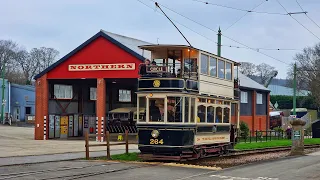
299	168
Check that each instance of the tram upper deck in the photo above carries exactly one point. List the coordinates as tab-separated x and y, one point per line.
184	68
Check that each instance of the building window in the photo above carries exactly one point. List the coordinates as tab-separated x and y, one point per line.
28	110
221	70
213	67
62	91
244	97
124	95
93	93
228	71
204	64
259	98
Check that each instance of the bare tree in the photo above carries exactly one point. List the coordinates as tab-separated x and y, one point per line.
308	71
264	72
7	52
247	68
44	57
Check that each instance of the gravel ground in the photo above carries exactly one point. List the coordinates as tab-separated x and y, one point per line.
246	159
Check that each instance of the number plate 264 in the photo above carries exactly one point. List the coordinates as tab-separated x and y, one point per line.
156	141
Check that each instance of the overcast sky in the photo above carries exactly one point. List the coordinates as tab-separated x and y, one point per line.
65	24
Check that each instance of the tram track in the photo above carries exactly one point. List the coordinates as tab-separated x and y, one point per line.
73	175
29	173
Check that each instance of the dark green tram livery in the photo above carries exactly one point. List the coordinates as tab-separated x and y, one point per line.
186	115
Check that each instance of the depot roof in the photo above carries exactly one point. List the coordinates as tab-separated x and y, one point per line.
114	38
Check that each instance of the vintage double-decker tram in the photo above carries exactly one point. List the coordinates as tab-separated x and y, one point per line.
187	95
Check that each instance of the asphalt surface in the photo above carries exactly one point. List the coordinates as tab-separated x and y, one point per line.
294	168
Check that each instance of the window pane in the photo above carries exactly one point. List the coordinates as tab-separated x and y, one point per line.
218	115
259	98
244	97
228	71
93	93
174	109
213	66
186	113
192	109
201	114
190	65
210	114
204	64
226	115
124	95
221	69
142	109
62	91
156	110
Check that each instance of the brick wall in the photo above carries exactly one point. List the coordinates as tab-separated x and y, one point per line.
42	98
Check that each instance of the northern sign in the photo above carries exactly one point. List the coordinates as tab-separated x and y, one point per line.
101	67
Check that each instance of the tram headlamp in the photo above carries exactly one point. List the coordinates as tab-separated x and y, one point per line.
155	133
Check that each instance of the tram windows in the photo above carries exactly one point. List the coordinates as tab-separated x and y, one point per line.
192	109
218	115
201	113
226	115
204	64
221	70
156	109
142	106
174	109
213	66
186	108
210	114
228	71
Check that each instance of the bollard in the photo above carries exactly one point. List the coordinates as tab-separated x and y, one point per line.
127	142
108	145
87	145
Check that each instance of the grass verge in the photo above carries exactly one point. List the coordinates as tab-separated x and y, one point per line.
120	157
274	143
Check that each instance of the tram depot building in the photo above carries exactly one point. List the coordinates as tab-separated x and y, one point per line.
75	94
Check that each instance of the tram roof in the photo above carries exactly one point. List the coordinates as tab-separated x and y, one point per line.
154	47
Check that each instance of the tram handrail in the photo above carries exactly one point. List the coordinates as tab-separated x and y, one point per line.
107	138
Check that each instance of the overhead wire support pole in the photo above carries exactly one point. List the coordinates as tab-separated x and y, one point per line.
294	88
172	23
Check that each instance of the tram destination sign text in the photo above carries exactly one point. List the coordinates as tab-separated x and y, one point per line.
101	67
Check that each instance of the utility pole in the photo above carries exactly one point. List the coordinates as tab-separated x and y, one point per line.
294	88
219	42
3	88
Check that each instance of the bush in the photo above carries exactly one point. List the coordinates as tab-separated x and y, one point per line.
278	129
244	130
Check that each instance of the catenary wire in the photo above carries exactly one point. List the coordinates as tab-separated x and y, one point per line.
244	15
297	20
215	31
238	9
307	15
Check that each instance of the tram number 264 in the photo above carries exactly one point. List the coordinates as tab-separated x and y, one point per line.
156	141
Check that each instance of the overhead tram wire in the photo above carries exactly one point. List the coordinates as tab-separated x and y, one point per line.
263	1
307	15
267	49
297	20
238	9
216	31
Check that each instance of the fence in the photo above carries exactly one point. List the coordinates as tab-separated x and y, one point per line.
107	138
263	136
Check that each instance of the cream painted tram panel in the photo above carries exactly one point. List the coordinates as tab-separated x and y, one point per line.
216	89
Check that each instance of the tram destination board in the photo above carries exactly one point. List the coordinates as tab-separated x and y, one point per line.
168	84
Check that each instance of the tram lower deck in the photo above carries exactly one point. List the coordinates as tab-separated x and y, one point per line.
183	126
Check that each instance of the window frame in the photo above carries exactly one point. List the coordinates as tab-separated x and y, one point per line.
95	93
124	90
241	96
259	100
65	86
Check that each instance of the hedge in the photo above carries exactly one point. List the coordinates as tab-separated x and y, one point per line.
286	102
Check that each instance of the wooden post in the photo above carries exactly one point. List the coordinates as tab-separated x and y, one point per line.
108	145
127	143
87	145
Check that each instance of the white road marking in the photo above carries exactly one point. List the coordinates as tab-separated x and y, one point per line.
241	178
